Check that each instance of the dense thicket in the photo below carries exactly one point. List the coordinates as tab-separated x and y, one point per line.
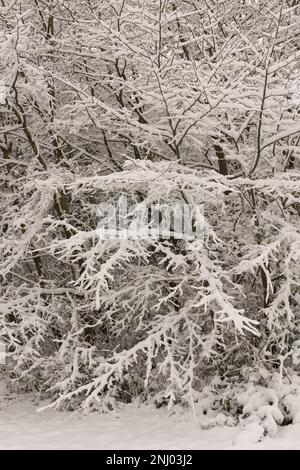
163	101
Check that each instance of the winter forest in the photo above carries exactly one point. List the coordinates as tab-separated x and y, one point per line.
193	102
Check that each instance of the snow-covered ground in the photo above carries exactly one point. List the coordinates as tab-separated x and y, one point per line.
132	427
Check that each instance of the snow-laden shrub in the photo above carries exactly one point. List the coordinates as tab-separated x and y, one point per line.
258	409
116	316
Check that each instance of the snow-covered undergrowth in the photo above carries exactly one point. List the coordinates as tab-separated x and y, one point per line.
259	410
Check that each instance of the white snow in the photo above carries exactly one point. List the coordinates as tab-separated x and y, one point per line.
134	426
